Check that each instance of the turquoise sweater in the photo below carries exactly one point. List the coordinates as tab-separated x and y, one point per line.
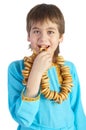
44	114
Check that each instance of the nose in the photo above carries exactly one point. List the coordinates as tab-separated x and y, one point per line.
43	40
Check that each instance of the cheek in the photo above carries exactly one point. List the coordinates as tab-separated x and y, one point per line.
32	41
55	43
33	45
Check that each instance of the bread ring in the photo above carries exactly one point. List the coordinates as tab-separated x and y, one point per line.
42	49
63	73
67	81
47	94
27	64
50	96
44	90
62	95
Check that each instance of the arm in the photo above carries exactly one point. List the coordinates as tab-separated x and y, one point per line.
41	63
76	104
22	111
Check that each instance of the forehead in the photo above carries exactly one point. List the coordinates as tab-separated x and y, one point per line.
44	24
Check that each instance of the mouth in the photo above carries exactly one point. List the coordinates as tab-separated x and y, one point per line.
40	49
43	48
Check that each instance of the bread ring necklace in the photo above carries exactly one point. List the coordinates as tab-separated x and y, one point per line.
64	77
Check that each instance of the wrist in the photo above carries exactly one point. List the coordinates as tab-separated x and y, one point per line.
26	98
31	93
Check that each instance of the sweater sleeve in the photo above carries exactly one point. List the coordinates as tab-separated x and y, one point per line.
22	111
76	104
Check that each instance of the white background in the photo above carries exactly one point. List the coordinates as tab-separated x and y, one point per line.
14	45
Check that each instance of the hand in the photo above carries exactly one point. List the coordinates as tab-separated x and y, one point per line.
42	62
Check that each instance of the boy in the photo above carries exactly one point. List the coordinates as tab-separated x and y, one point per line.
43	89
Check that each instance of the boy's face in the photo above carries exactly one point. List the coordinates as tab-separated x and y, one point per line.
44	35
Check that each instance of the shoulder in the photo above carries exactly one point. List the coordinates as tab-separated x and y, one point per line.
71	65
16	66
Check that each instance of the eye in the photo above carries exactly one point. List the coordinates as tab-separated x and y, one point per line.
36	32
50	32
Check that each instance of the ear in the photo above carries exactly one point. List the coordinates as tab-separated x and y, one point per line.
61	38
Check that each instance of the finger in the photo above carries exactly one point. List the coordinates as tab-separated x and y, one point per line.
44	54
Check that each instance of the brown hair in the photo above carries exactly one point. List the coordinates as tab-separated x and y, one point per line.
42	12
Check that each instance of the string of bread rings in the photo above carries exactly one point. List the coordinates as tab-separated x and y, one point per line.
64	76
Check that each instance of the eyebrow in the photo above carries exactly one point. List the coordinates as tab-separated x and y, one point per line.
51	28
35	28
